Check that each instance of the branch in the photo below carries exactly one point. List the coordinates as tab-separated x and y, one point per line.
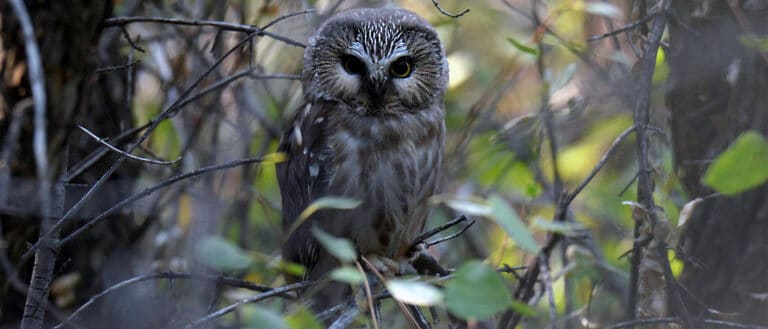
230	281
252	299
166	113
444	12
150	190
644	183
103	141
122	21
621	29
727	324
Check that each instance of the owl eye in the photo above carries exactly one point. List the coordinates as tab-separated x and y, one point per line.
401	68
352	64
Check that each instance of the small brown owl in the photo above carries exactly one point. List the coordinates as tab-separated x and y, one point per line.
372	130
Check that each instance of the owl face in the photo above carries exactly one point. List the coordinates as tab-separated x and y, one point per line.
376	61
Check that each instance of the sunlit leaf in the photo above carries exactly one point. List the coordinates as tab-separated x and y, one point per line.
263	318
602	9
302	319
521	47
466	206
476	292
687	211
340	248
759	43
414	292
564	228
507	218
328	202
347	274
740	167
221	255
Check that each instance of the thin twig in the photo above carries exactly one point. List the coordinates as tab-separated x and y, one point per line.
727	324
150	190
547	279
446	13
367	287
451	236
624	28
426	235
152	126
230	281
103	141
252	299
122	21
128	38
117	67
599	165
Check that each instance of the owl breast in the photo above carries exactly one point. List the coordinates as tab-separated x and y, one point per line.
392	170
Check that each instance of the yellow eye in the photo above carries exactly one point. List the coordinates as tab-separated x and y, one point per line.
401	68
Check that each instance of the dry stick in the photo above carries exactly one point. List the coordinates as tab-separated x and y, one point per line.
644	190
230	281
116	67
45	259
547	278
149	190
122	21
103	141
444	12
400	304
622	29
152	126
367	287
252	299
720	323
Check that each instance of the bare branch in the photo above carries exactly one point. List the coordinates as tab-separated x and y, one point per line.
150	190
446	13
103	141
117	67
230	281
166	113
252	299
721	323
624	28
122	21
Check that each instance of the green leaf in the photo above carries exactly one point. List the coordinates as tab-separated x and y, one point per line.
414	292
523	308
522	47
742	166
221	255
467	206
347	274
602	9
302	319
759	43
262	318
340	248
564	228
507	218
476	292
331	202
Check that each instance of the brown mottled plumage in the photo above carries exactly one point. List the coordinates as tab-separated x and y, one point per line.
372	129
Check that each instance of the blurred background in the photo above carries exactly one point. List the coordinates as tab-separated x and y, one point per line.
516	68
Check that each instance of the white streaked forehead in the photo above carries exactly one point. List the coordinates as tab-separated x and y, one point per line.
378	40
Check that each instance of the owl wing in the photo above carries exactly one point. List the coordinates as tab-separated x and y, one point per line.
302	178
305	174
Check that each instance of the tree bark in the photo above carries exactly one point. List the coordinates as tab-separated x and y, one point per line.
717	90
67	33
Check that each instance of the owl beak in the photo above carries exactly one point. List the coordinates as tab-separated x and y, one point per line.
376	86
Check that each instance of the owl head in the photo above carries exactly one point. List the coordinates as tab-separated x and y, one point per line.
376	61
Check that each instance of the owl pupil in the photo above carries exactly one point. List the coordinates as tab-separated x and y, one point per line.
401	68
352	64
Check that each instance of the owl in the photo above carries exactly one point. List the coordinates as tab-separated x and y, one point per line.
371	129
